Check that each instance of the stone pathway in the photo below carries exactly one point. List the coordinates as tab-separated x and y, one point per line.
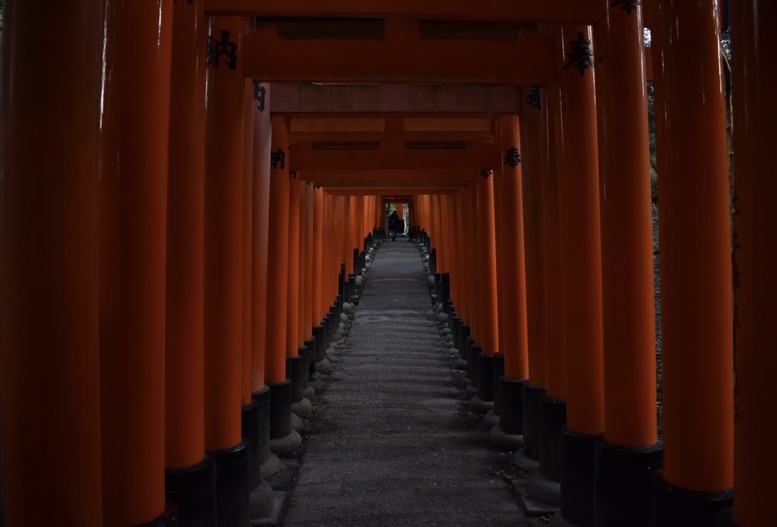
391	441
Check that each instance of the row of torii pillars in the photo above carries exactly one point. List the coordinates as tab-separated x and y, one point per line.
102	273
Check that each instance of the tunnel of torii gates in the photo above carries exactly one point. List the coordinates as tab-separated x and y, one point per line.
189	189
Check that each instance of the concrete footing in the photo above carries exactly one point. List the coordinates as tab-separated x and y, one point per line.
543	489
623	485
500	438
677	507
193	490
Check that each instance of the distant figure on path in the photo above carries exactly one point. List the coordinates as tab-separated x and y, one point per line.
393	225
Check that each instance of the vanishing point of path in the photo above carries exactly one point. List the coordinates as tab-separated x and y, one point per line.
392	442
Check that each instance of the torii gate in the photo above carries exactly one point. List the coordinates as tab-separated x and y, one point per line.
122	189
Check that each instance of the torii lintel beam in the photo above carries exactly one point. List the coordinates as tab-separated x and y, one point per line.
388	177
401	56
395	98
535	11
481	156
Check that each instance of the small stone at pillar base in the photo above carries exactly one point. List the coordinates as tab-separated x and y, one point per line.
502	439
525	461
301	408
287	444
476	404
491	419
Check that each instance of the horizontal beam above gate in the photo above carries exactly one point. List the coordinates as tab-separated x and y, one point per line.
395	98
399	56
477	157
534	11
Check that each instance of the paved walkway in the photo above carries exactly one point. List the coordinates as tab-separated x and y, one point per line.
391	441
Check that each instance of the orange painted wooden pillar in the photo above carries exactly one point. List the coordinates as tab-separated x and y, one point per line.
49	349
185	459
309	305
628	451
581	273
261	232
247	249
536	176
280	246
184	395
224	188
460	289
555	356
278	254
512	279
534	138
344	232
546	409
133	215
696	286
319	266
471	224
755	115
293	287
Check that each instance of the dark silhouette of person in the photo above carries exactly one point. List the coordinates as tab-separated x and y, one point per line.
394	225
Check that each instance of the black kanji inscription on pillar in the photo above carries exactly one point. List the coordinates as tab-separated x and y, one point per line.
260	92
292	174
216	49
278	157
512	157
534	99
627	5
486	173
580	55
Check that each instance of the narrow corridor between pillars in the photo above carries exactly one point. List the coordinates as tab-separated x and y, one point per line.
392	441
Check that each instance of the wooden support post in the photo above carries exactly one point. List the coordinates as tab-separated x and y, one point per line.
578	200
511	279
278	253
224	186
261	234
320	301
49	348
293	265
694	225
755	115
247	246
536	176
282	438
133	219
190	475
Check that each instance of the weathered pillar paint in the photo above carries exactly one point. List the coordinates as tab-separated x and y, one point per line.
49	348
755	115
278	253
184	369
261	232
581	273
512	279
133	219
694	228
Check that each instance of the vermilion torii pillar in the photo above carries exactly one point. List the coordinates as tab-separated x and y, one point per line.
629	451
549	406
534	136
755	257
696	279
190	475
224	186
49	348
578	191
282	438
133	216
512	289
